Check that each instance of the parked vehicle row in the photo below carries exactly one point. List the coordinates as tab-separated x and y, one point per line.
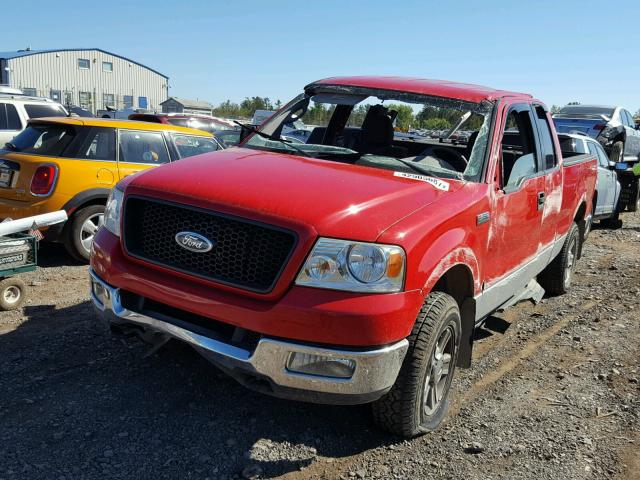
352	268
71	164
17	109
607	187
615	129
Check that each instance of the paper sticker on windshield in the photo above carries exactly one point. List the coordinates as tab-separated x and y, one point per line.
436	182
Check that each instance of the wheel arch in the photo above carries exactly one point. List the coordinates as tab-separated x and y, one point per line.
457	275
93	196
584	224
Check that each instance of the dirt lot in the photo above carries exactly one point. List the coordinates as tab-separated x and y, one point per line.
554	393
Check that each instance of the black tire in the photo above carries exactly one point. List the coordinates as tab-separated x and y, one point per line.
613	222
556	278
617	151
13	293
75	234
634	204
403	410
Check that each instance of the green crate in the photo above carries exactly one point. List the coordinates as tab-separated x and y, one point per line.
18	253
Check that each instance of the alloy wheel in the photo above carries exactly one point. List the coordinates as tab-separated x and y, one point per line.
89	229
439	372
571	258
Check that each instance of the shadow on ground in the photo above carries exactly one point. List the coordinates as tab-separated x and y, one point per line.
54	255
80	401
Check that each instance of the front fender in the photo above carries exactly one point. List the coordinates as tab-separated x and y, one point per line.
446	252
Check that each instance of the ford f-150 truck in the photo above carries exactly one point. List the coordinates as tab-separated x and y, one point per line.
352	268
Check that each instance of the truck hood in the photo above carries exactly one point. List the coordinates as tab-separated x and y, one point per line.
332	198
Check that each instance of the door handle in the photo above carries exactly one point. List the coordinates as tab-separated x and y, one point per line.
541	198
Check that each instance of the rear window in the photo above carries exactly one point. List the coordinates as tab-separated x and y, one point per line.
190	145
571	146
585	110
9	119
38	111
45	139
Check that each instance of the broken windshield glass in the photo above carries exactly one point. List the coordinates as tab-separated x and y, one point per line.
383	129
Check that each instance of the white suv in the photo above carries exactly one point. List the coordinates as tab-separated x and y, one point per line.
16	109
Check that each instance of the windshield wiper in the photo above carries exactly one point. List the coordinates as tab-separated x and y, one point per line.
11	146
273	138
427	171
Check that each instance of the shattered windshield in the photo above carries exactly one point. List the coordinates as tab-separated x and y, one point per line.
398	131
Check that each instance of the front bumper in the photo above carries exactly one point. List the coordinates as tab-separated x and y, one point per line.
265	367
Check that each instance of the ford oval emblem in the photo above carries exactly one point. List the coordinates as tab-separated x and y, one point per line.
194	242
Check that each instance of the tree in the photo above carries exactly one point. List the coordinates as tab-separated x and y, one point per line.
227	109
436	124
249	105
405	117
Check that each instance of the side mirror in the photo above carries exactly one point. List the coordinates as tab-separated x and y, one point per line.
524	167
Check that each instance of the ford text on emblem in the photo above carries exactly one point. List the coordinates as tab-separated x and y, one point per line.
194	242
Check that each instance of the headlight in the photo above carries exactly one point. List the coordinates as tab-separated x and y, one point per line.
113	210
354	266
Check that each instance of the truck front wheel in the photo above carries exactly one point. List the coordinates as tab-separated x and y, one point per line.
418	401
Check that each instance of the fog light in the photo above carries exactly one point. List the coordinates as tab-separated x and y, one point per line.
100	292
321	365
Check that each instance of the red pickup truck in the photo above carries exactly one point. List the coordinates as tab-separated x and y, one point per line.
352	268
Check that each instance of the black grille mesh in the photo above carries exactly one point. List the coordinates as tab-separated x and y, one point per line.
245	254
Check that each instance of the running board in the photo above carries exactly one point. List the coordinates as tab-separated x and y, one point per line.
531	291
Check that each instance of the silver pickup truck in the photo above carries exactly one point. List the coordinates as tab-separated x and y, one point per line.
608	188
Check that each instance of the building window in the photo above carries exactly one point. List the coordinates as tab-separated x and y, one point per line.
56	95
128	101
107	66
84	99
109	100
30	92
68	98
84	63
142	102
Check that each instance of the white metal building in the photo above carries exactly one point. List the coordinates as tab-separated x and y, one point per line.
87	77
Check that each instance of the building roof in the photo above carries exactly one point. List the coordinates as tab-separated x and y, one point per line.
26	53
190	103
117	123
422	86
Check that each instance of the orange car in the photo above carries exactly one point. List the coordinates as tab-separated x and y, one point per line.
72	163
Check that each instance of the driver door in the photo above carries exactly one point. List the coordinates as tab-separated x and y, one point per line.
518	204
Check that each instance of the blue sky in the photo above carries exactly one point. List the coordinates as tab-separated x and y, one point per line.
560	51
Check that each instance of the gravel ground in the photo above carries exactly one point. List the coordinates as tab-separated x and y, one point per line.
553	393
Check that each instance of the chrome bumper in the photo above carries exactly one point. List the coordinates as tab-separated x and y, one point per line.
265	368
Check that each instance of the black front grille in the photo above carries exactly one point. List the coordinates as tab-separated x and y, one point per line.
246	254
